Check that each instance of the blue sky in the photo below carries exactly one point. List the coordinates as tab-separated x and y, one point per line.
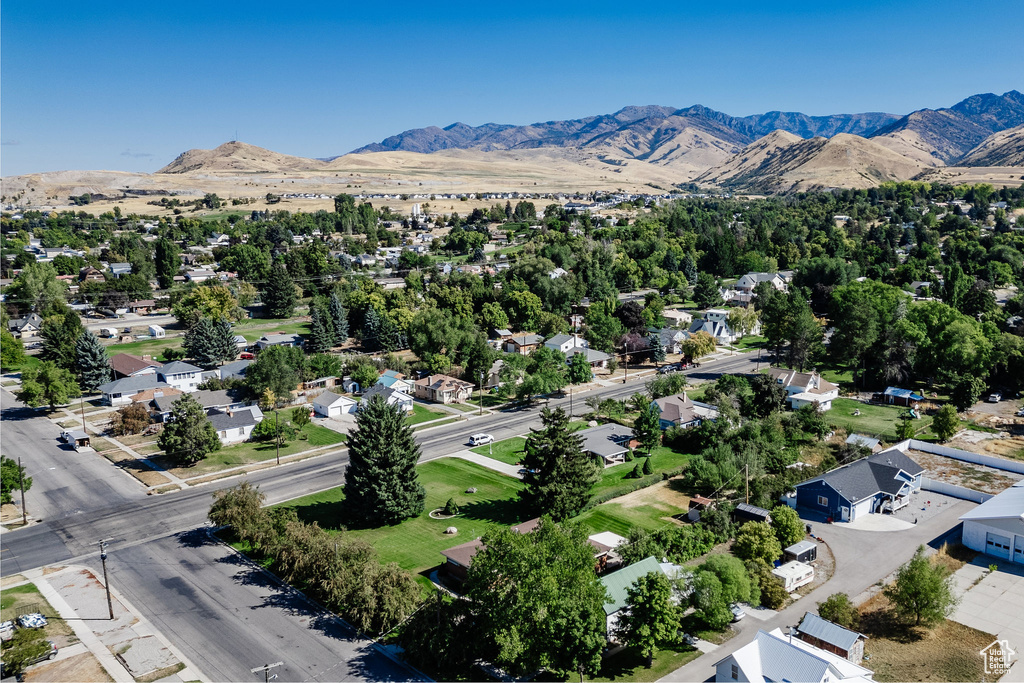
130	85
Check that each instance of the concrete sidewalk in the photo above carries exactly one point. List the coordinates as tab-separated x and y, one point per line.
489	463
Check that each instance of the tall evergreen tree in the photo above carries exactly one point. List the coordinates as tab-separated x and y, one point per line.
279	292
188	435
559	474
200	343
168	261
224	341
319	340
381	484
91	361
339	319
371	328
60	333
657	348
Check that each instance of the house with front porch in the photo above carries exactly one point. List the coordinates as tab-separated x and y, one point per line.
876	484
679	410
443	389
393	397
608	443
805	388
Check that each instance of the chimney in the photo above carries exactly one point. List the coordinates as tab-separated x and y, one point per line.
147	357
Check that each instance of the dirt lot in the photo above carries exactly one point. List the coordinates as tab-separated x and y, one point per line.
84	668
966	474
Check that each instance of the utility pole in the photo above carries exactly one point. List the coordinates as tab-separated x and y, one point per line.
481	392
106	581
625	367
746	477
84	428
277	437
266	670
21	483
570	400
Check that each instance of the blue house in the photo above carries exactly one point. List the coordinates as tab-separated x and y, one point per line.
878	483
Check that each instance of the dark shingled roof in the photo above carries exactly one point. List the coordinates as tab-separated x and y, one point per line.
873	474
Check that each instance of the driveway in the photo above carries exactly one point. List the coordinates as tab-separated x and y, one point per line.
993	602
862	559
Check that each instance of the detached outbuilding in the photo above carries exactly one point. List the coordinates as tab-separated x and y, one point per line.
824	634
804	551
329	404
792	575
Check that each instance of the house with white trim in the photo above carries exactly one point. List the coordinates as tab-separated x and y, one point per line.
772	656
805	388
879	483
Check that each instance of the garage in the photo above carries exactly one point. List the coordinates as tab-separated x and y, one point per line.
329	404
997	545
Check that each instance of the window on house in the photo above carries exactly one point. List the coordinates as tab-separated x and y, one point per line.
224	435
822	500
735	673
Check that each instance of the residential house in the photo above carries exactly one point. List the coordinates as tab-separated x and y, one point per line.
396	380
873	445
278	340
895	396
996	527
751	280
220	400
142	306
235	426
671	339
595	358
826	635
458	558
219	239
793	575
523	344
557	273
493	376
618	583
146	397
715	322
234	369
127	365
566	342
121	391
881	482
745	512
443	389
805	388
90	274
120	269
25	328
200	275
605	544
772	656
679	411
180	375
393	397
677	317
365	260
608	443
330	404
240	342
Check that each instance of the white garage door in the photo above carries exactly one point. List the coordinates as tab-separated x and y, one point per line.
997	545
1018	549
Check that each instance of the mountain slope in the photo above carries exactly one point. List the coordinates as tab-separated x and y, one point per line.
238	157
948	134
780	163
1005	148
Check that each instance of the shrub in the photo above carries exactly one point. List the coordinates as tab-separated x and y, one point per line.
451	508
647	469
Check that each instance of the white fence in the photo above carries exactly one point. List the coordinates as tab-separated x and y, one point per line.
966	456
953	490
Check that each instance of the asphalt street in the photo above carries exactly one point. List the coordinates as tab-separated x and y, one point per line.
225	617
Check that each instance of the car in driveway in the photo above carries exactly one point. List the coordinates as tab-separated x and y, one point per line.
995	397
737	612
480	439
49	653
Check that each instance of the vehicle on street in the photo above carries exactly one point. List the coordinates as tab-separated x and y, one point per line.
665	369
480	439
33	620
737	612
995	397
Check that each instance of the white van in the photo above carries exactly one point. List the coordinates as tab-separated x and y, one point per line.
480	439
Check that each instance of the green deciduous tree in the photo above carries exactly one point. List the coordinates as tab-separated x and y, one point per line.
839	609
946	422
757	541
381	485
708	601
650	617
47	384
12	351
736	583
24	649
965	390
789	528
37	287
278	368
279	292
168	261
579	369
559	474
922	591
536	601
206	301
92	363
188	436
365	376
10	479
647	427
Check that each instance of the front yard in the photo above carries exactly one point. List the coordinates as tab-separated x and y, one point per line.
26	599
874	420
508	451
421	413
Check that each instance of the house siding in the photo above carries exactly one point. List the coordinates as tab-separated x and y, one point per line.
807	497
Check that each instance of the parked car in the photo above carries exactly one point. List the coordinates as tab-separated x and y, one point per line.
737	612
6	630
1020	413
480	439
995	397
665	369
33	620
47	654
688	639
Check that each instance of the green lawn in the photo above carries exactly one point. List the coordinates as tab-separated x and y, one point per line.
619	519
252	452
416	544
288	327
149	347
465	407
421	413
663	458
26	599
26	363
629	665
750	342
507	450
874	420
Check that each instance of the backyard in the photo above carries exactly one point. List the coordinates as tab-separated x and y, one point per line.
416	544
874	420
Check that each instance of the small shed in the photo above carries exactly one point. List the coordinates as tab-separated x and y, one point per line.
901	397
697	504
804	551
745	512
330	404
77	439
831	637
157	332
792	575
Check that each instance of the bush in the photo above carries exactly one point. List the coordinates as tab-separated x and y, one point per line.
647	469
451	508
131	419
839	609
637	472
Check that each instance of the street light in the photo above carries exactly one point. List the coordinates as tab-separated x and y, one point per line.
481	392
106	581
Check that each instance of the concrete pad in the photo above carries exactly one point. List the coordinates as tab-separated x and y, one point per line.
759	613
877	523
705	647
489	463
145	655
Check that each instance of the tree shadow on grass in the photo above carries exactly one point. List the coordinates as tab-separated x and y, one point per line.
329	515
508	511
883	623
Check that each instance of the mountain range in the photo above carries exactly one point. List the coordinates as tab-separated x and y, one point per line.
772	152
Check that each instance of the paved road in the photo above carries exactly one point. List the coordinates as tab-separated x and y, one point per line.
174	578
862	559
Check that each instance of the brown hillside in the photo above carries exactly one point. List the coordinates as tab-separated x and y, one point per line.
239	157
1005	148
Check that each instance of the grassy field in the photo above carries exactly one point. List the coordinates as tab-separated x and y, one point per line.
149	347
508	450
751	342
252	452
663	458
422	413
26	599
874	420
416	544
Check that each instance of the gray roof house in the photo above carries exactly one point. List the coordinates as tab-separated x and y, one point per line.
121	390
609	443
824	634
881	482
234	370
772	656
679	410
25	327
279	340
392	396
233	426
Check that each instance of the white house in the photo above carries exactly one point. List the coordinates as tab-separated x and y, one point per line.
996	527
679	411
751	280
120	391
566	342
393	397
805	388
716	323
777	657
329	404
236	425
180	375
618	583
677	317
